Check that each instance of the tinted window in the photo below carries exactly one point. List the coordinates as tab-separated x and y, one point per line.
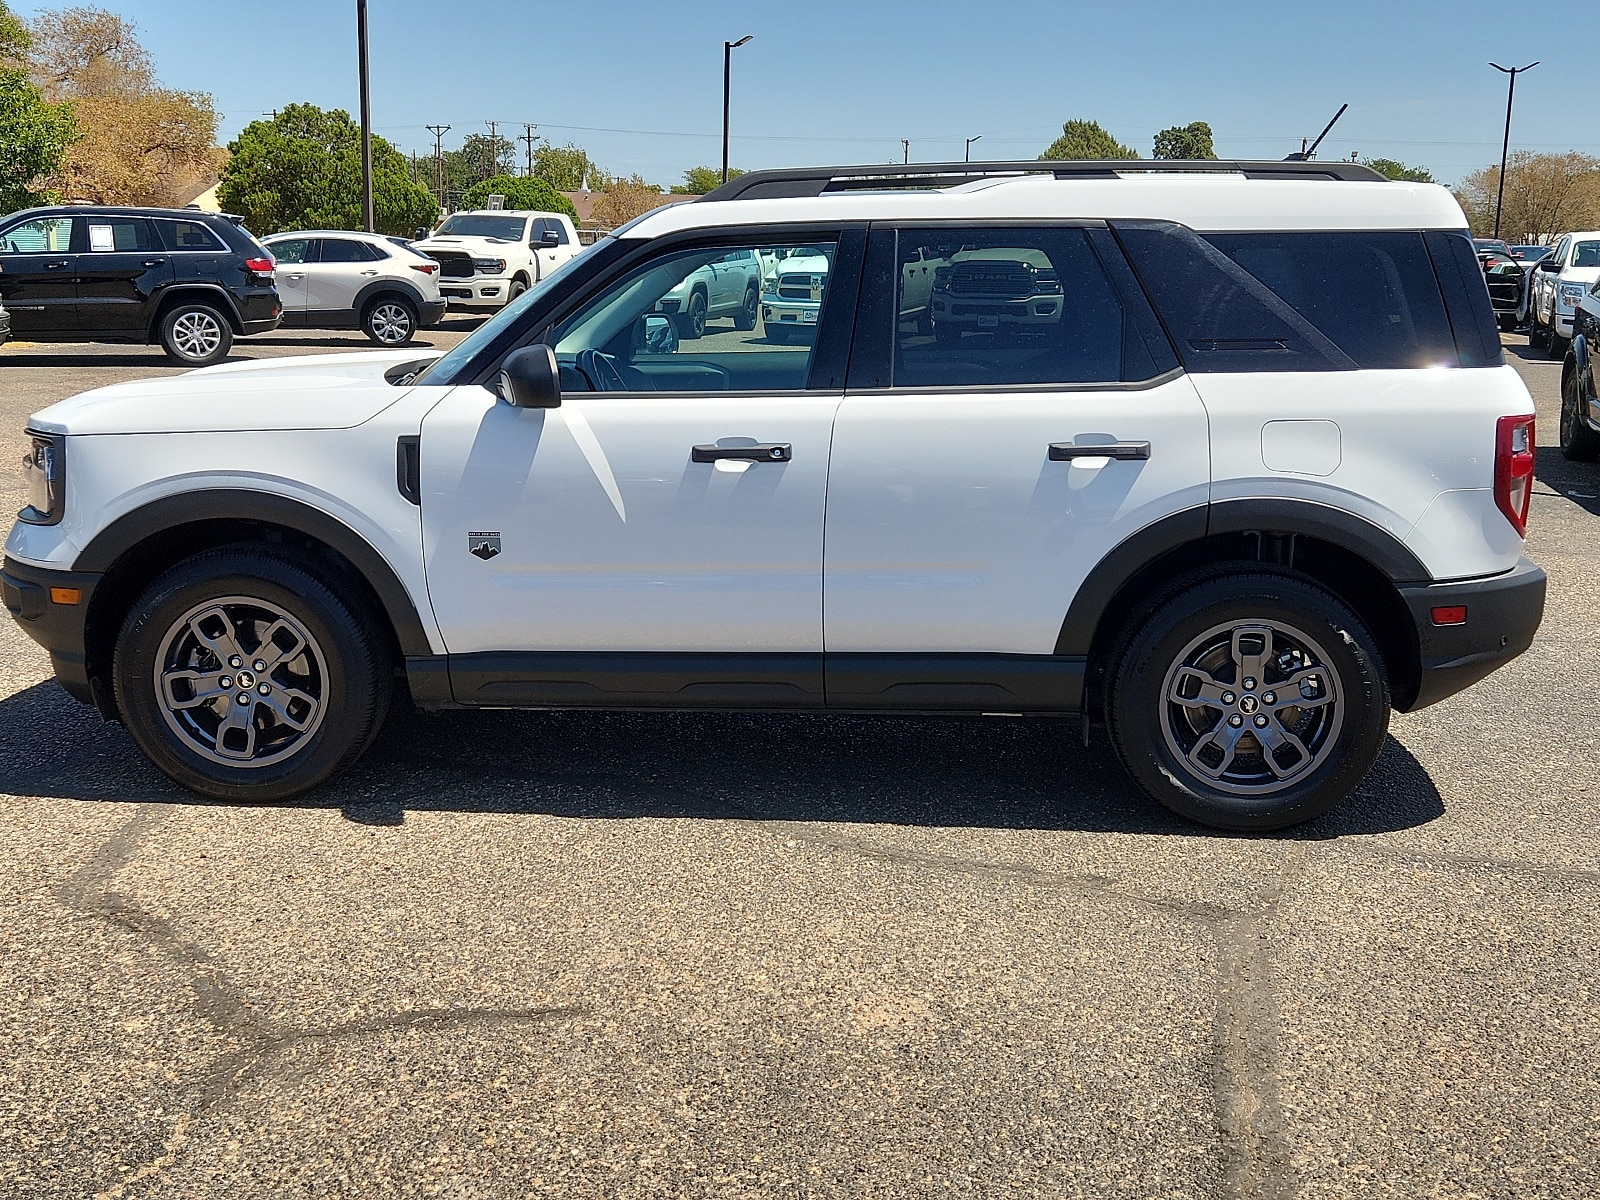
291	251
507	229
110	234
1373	295
344	250
685	322
982	307
189	235
1220	317
536	234
1586	254
47	235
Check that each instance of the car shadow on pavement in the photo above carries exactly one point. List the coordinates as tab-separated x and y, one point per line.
949	772
1575	481
153	357
1529	353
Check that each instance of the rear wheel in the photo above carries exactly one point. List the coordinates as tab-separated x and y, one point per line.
1248	701
195	335
1579	442
745	319
244	674
692	320
390	321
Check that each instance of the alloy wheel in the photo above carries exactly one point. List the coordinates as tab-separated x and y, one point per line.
1251	707
241	682
391	324
196	335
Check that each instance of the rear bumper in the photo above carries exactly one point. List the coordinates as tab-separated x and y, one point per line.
59	628
433	311
1503	614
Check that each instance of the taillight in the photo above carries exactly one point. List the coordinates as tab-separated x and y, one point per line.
1513	469
259	266
425	268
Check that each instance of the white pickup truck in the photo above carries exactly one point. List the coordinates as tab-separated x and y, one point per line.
489	258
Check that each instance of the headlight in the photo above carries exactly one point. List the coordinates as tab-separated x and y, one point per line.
44	471
1571	293
489	266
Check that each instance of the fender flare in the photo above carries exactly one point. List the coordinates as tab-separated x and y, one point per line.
128	530
230	307
407	289
1387	553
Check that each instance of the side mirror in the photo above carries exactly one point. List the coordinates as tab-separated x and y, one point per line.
530	378
660	334
551	238
419	235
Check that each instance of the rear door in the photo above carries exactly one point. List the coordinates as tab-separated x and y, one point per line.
37	281
120	273
291	255
342	268
976	479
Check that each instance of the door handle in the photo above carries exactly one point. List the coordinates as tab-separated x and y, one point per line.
56	266
767	452
154	262
1124	451
372	272
300	276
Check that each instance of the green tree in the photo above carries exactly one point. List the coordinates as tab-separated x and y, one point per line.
14	38
520	191
1087	140
34	136
1185	141
1399	170
302	170
697	181
565	168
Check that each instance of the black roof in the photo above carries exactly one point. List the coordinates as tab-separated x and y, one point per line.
814	181
122	210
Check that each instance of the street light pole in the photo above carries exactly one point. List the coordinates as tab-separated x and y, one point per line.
970	140
1505	146
727	71
366	117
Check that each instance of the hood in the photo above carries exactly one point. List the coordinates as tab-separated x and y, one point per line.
812	264
467	245
323	391
1579	274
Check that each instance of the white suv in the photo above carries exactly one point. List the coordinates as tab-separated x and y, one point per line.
335	279
1265	478
488	258
1555	285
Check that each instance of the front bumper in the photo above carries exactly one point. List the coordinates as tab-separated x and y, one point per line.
480	291
988	313
1503	614
778	311
34	597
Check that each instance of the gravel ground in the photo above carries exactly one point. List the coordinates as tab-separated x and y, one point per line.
517	955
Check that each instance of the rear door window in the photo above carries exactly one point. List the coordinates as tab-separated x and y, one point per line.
344	250
111	234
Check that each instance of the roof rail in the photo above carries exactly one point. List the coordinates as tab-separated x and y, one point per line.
814	181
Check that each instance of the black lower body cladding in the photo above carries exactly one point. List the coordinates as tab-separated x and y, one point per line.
1501	615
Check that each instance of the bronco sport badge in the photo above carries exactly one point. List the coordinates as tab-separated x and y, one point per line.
484	545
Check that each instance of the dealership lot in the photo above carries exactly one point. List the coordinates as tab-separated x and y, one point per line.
616	955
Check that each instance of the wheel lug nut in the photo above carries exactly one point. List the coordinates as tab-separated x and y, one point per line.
1249	685
1228	697
225	682
1270	698
263	689
259	665
1261	722
236	662
244	697
1236	720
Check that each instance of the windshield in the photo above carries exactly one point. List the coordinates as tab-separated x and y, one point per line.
443	370
1586	254
506	229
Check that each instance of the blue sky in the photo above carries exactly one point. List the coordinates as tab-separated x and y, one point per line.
639	82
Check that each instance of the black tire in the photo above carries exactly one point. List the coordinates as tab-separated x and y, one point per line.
1506	321
390	320
1556	345
329	693
1538	335
692	320
195	334
745	319
1165	743
1579	443
518	286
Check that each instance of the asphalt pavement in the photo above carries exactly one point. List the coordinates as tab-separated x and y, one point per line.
578	955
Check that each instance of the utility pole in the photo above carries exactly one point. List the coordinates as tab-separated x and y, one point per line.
492	158
366	117
438	132
727	74
1505	146
905	144
527	136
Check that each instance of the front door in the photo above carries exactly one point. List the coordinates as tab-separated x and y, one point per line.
119	274
37	281
667	515
343	267
290	255
1009	446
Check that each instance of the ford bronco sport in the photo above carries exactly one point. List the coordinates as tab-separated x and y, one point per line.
1261	478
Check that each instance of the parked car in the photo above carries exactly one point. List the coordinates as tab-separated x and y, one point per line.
1495	244
994	289
1558	281
726	287
1225	503
188	280
791	300
334	279
489	258
1580	400
1528	255
1506	279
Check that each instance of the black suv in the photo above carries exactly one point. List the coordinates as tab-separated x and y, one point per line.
186	279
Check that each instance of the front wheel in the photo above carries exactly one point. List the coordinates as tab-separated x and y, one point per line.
745	319
244	674
692	320
1579	442
390	321
1248	701
195	335
1538	335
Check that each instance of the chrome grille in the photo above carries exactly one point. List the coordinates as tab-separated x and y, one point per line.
991	279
